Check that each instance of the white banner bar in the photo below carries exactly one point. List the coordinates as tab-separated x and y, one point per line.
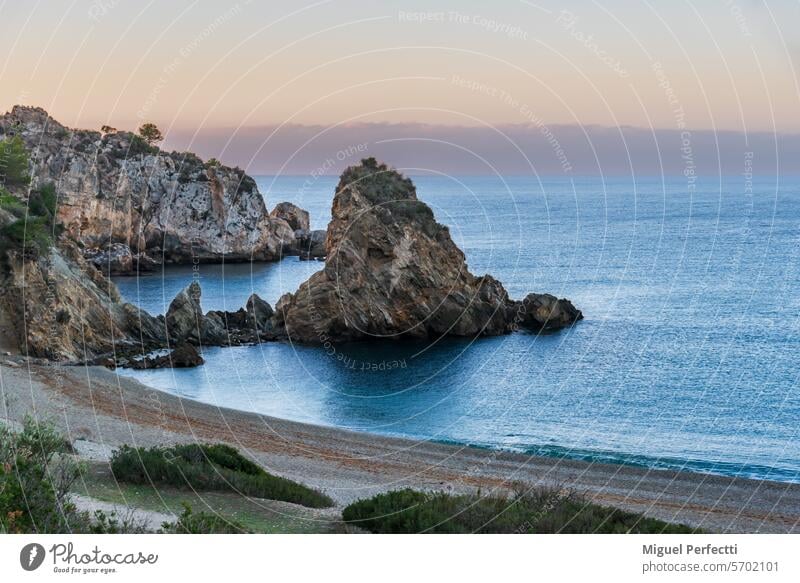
390	558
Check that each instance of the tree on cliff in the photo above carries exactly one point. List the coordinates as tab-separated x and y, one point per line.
13	162
150	133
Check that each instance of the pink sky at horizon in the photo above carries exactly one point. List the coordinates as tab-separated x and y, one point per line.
199	63
212	74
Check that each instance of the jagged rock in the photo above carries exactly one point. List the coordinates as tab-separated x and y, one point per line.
296	217
186	322
260	311
392	271
184	355
542	312
113	188
311	245
250	324
118	259
64	309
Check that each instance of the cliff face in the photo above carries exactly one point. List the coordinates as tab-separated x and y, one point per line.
113	189
63	309
393	271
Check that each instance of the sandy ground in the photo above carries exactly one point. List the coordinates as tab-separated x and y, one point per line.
102	410
150	519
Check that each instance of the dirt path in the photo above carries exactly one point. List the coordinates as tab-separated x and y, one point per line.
149	519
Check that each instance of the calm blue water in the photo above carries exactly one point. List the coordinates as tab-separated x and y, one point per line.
687	358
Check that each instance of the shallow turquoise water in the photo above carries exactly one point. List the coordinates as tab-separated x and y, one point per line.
687	357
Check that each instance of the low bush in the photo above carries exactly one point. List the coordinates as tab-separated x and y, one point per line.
35	478
533	511
10	203
203	523
214	467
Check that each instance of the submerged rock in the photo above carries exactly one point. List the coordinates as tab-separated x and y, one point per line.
392	271
184	355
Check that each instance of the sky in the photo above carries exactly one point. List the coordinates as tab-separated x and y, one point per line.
251	82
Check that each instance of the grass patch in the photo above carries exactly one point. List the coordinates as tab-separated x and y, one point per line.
537	511
254	514
209	467
203	523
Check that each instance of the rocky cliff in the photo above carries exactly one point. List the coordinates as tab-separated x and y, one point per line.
124	201
64	309
392	271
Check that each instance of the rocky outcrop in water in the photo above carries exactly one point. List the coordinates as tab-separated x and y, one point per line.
392	271
149	205
186	322
297	218
184	355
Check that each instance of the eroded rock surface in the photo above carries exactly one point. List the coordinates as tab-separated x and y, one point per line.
392	271
297	218
186	322
172	207
64	309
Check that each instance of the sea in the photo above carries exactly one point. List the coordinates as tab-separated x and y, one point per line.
687	359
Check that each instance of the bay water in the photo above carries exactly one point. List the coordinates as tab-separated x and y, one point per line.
687	357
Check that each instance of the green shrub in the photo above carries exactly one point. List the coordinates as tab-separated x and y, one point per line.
534	511
35	480
33	231
31	237
36	476
203	523
210	467
139	146
111	523
10	203
44	202
13	162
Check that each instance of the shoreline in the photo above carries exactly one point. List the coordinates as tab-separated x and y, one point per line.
99	410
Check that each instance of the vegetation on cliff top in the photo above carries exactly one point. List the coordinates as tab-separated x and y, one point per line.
151	134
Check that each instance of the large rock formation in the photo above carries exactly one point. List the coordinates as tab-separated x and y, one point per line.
64	309
115	189
297	218
186	322
392	271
